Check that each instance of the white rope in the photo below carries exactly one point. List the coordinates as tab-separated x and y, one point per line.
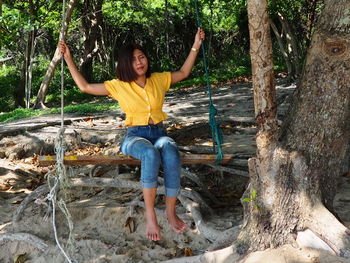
60	174
52	197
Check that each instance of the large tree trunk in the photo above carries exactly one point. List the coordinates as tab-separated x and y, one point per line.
40	100
92	22
295	177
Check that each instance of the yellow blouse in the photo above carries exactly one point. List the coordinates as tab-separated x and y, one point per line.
140	104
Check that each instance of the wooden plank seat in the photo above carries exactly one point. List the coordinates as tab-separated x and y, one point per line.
126	159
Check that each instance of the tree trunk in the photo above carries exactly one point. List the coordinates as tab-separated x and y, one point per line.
311	20
30	67
282	49
39	103
20	89
292	47
92	21
166	22
21	92
293	179
29	53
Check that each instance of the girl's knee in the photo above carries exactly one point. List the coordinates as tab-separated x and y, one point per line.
165	142
151	153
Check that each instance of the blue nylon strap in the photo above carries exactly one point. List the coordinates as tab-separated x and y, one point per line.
216	132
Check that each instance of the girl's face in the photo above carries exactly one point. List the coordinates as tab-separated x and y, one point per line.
139	62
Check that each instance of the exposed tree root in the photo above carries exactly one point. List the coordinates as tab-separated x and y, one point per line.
226	255
229	170
225	239
32	196
196	149
103	182
207	231
190	199
194	178
309	239
25	237
191	194
110	182
327	228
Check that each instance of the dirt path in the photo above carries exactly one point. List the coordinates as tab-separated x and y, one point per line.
106	227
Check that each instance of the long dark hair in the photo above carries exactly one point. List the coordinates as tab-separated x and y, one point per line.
125	72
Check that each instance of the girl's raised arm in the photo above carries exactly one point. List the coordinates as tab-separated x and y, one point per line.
83	85
186	68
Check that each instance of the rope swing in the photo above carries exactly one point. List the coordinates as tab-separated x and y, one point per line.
216	132
58	178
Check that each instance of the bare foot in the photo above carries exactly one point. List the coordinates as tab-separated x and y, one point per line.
176	223
152	227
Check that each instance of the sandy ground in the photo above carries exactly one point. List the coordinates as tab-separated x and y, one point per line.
101	232
106	228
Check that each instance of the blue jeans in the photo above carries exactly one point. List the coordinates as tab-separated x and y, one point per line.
153	147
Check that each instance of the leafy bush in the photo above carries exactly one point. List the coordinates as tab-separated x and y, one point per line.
8	81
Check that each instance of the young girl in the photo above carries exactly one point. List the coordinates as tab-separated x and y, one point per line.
140	94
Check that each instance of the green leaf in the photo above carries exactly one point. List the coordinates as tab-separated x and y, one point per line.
253	194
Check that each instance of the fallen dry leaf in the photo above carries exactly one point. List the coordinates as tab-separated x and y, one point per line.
130	223
188	252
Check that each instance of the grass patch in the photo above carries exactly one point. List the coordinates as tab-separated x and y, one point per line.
82	109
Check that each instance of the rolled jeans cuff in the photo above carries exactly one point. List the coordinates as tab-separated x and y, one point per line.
172	192
150	185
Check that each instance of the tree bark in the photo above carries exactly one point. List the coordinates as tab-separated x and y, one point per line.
29	55
166	25
20	89
29	78
318	124
21	92
294	176
292	47
39	103
311	20
282	49
92	22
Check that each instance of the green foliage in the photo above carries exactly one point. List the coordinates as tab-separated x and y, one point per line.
71	95
301	15
252	199
12	24
81	109
8	81
165	28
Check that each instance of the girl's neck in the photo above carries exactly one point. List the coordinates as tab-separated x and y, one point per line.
141	81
